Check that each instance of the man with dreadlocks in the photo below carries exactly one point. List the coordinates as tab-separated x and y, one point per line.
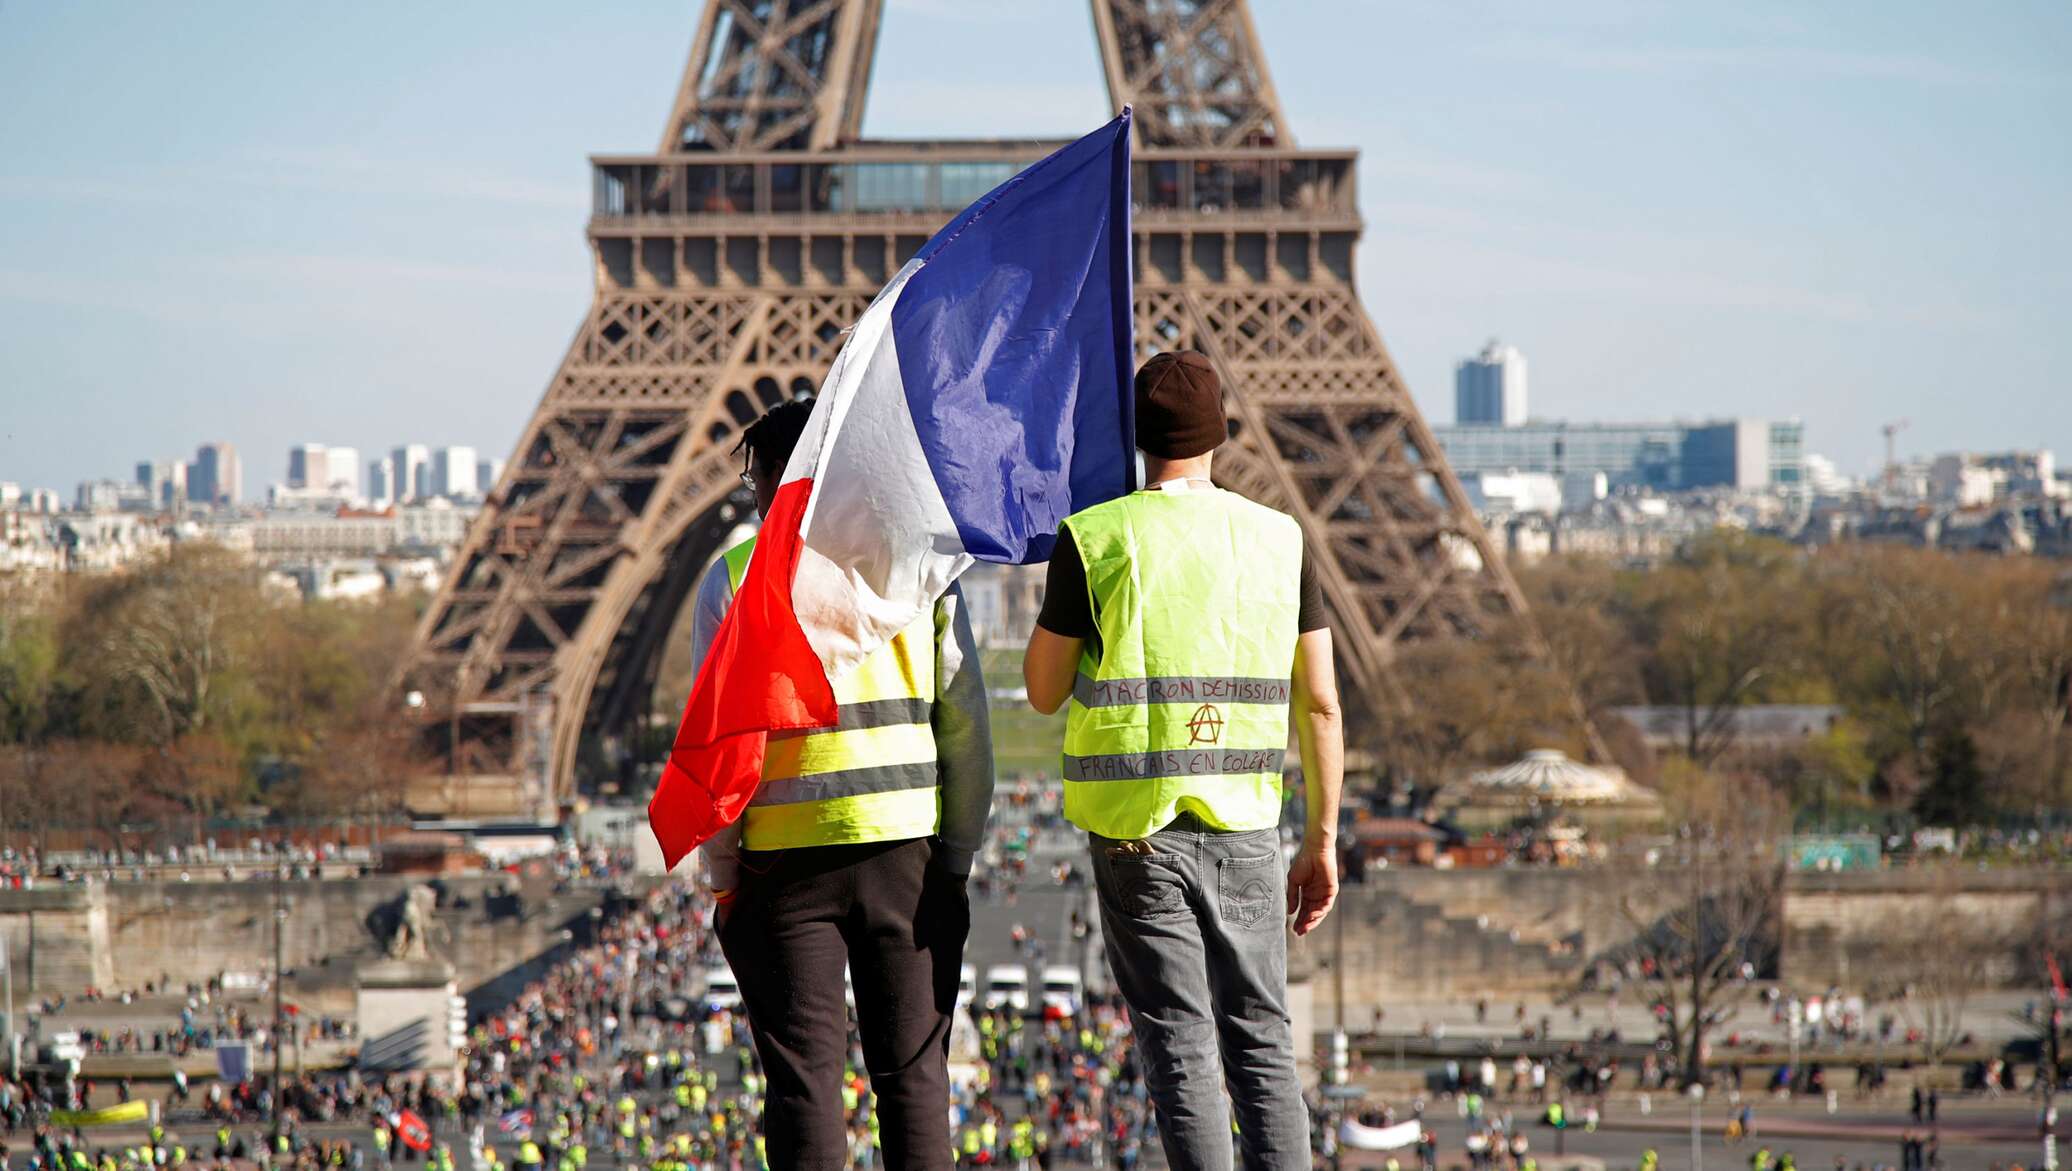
854	851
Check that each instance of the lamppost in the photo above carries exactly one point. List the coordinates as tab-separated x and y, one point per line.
1795	1020
280	920
14	1037
414	701
1697	1092
2051	1058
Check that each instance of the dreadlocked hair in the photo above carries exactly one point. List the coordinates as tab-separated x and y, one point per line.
768	441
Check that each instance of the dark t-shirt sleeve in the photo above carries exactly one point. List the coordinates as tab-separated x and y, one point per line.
1312	615
1067	611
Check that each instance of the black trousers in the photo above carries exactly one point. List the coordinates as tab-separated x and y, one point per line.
898	920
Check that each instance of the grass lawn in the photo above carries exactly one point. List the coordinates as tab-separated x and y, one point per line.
1024	742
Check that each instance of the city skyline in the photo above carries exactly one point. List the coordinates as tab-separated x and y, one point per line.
314	471
1764	211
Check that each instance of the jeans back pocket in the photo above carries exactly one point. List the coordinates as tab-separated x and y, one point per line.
1246	890
1146	886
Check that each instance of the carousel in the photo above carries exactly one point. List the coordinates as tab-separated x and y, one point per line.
1545	781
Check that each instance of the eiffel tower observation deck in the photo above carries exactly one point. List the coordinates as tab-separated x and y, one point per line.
838	218
727	265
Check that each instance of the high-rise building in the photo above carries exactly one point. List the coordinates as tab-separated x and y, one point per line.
412	467
1734	453
307	466
215	477
165	480
1489	388
1746	454
168	484
453	472
487	473
341	472
381	482
1786	441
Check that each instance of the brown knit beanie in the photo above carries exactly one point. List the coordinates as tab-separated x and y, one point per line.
1179	406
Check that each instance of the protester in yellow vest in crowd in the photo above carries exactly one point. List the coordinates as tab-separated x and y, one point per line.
1180	624
854	852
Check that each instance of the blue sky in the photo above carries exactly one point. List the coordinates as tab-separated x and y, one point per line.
363	224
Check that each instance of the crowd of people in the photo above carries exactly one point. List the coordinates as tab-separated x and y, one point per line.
1062	1087
607	1056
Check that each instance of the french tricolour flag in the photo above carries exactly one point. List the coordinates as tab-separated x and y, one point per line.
983	397
514	1121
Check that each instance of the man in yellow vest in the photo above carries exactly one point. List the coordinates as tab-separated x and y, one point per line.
854	852
1181	624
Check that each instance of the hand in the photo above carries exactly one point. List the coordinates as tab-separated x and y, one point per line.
722	904
1312	886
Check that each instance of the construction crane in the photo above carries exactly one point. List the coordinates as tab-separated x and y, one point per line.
1892	431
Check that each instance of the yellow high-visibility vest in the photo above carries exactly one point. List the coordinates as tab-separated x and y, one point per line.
1181	704
872	776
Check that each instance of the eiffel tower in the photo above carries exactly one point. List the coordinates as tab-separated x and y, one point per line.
727	264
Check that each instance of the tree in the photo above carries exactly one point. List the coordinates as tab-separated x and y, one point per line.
1827	773
1722	923
323	664
159	646
1721	630
28	661
1473	702
1913	658
153	696
2024	758
1933	981
200	772
93	785
1956	790
1575	604
2033	635
26	796
358	770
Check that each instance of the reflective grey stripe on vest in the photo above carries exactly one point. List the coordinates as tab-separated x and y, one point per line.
1177	762
848	782
1091	692
871	713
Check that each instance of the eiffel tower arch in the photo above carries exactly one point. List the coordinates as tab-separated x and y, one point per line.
727	263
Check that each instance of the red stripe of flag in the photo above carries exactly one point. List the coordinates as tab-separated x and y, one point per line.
760	676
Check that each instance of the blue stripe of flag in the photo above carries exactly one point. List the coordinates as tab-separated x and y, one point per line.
1015	347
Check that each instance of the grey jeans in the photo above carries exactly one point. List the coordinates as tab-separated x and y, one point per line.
1196	929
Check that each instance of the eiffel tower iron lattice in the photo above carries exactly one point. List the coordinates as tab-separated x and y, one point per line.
727	265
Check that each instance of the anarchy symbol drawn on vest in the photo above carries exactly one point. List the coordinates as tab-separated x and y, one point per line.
1206	725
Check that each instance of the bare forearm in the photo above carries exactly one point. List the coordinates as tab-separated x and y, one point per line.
1321	736
1048	669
